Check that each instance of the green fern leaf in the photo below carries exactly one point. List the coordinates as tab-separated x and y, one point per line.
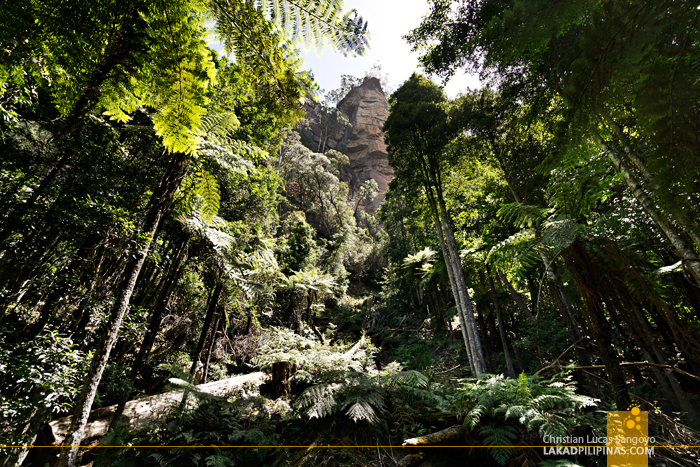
499	440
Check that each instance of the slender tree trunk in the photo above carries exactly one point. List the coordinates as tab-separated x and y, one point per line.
212	340
579	264
516	296
159	202
661	358
690	227
501	326
153	328
557	295
450	275
477	352
207	324
534	292
687	254
483	328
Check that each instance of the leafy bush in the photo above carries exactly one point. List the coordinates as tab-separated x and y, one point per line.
547	407
312	357
364	395
39	378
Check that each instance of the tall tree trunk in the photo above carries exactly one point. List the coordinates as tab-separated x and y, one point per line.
207	324
685	252
477	351
210	347
516	296
690	226
680	395
584	274
453	284
160	201
501	325
153	327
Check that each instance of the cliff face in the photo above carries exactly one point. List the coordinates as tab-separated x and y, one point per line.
366	108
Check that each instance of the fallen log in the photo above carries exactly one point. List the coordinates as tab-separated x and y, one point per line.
351	353
139	413
451	434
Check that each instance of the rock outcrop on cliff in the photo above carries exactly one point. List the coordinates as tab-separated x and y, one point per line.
362	140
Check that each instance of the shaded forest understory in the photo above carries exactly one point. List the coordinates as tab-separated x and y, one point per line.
170	217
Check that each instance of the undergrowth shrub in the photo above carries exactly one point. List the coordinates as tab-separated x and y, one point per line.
312	357
528	404
364	396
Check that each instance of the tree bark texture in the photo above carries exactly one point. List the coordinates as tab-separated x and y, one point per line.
579	264
153	326
514	293
281	372
159	202
690	226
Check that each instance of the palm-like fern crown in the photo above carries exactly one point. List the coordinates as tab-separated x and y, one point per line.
543	229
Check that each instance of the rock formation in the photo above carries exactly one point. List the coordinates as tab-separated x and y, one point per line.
366	109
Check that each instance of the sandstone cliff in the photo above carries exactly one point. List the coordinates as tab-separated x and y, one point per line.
366	109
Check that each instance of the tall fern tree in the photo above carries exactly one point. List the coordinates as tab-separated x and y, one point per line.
175	84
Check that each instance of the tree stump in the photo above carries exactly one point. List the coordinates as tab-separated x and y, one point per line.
281	372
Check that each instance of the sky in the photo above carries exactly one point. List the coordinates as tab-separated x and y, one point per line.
388	20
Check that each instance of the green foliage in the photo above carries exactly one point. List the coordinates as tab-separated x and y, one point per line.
40	379
549	407
312	358
498	439
523	215
208	430
317	19
364	396
516	253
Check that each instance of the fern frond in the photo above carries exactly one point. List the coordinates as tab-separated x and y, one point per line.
523	215
499	440
411	378
516	253
361	406
561	233
319	400
199	195
313	20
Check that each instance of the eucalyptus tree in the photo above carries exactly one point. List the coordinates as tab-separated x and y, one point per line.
417	131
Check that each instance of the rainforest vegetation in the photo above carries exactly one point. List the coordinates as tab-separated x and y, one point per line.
164	224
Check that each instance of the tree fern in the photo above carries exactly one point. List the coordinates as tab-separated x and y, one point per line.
517	253
560	234
550	407
312	20
523	215
176	77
